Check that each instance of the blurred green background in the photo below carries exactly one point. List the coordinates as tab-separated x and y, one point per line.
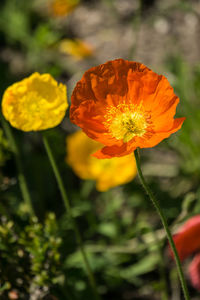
126	245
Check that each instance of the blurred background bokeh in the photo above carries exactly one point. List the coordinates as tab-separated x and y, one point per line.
39	257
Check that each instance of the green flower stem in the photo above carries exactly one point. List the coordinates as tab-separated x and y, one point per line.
164	222
68	208
164	290
18	160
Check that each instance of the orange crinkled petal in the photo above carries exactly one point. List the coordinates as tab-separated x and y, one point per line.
113	151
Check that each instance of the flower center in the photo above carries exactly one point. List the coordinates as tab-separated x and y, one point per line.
30	104
125	121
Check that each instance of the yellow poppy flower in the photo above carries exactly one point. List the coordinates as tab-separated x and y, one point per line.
107	173
76	48
35	103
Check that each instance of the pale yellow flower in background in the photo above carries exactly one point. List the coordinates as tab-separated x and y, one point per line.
61	8
77	48
107	173
35	103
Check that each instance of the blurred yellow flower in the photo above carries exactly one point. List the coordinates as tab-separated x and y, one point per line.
76	48
61	8
35	103
107	173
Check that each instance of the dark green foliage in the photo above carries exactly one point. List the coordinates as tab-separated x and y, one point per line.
30	259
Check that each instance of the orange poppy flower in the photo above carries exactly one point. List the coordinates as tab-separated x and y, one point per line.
61	8
194	271
187	241
124	105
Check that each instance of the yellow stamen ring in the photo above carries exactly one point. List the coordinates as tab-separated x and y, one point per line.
126	121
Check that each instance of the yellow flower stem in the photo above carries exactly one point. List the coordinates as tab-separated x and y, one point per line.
164	222
69	211
21	178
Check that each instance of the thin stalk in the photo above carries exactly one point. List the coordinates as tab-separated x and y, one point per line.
69	211
21	177
164	222
164	291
